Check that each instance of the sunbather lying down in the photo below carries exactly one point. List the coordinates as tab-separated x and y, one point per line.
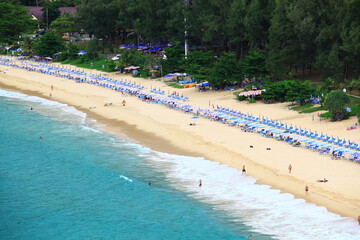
322	180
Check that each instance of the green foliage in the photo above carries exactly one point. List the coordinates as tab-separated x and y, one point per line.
48	45
27	45
288	90
251	100
51	11
254	65
131	57
64	24
92	48
70	52
198	64
98	17
226	71
174	58
13	22
335	103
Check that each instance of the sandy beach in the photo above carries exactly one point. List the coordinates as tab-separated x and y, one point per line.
166	130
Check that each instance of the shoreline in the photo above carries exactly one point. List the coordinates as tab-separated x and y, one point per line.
166	130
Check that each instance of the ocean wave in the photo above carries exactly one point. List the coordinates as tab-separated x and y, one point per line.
266	210
47	107
126	178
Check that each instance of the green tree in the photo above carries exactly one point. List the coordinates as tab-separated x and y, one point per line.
92	48
13	22
335	103
51	11
236	28
174	58
282	46
257	22
288	90
226	71
64	24
131	57
349	19
198	64
254	65
98	17
27	46
48	45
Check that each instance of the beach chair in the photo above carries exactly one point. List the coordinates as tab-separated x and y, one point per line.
325	151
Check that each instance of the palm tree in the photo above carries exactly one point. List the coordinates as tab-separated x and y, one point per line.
27	46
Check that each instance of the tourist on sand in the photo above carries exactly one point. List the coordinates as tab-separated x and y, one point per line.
290	168
200	183
243	170
322	180
306	189
123	102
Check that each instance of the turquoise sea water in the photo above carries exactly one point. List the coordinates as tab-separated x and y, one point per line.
80	183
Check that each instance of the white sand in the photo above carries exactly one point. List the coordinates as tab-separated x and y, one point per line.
168	130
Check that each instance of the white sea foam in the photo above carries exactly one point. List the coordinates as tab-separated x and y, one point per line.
53	109
266	210
126	178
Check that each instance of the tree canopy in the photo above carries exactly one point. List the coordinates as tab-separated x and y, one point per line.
48	45
14	21
335	103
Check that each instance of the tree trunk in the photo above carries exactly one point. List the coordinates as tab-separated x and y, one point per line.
303	70
346	70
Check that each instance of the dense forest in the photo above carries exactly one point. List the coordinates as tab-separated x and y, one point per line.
295	36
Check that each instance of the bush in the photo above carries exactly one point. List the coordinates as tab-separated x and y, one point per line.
335	103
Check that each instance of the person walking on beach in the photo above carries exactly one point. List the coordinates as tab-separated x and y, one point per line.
52	87
290	168
200	183
243	170
306	189
123	103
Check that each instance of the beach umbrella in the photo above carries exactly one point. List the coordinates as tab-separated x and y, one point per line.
194	119
81	53
131	68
